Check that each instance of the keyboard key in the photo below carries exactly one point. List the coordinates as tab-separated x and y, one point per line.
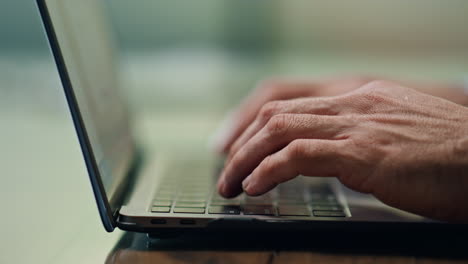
258	201
329	213
191	200
191	186
167	190
187	210
217	197
291	196
320	188
319	199
294	198
192	196
258	210
324	202
191	204
162	203
164	196
235	210
290	201
327	207
197	193
293	210
160	209
226	202
321	196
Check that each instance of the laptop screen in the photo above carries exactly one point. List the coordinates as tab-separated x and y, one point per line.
80	37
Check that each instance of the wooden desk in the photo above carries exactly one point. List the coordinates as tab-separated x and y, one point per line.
138	248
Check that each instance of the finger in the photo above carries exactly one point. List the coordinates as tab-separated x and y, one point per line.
248	133
264	93
266	112
279	132
237	123
301	157
317	106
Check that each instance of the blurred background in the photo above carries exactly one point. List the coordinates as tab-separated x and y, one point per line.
183	64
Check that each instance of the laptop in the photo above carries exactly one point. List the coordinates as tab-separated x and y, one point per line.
163	193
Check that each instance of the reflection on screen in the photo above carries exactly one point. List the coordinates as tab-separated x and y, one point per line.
85	43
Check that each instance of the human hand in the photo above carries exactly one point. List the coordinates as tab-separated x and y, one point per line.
272	90
408	149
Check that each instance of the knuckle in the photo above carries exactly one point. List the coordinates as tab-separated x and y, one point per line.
236	160
357	140
269	109
371	94
278	125
267	167
374	86
326	105
378	84
361	79
356	81
348	121
296	149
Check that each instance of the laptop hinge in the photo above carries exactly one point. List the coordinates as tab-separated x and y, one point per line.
129	183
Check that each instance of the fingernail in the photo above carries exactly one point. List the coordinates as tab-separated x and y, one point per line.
221	187
246	183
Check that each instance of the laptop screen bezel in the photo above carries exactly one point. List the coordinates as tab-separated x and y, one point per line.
108	209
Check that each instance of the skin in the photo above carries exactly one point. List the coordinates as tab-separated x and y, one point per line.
407	148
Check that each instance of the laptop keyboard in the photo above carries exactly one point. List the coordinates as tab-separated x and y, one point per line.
295	198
